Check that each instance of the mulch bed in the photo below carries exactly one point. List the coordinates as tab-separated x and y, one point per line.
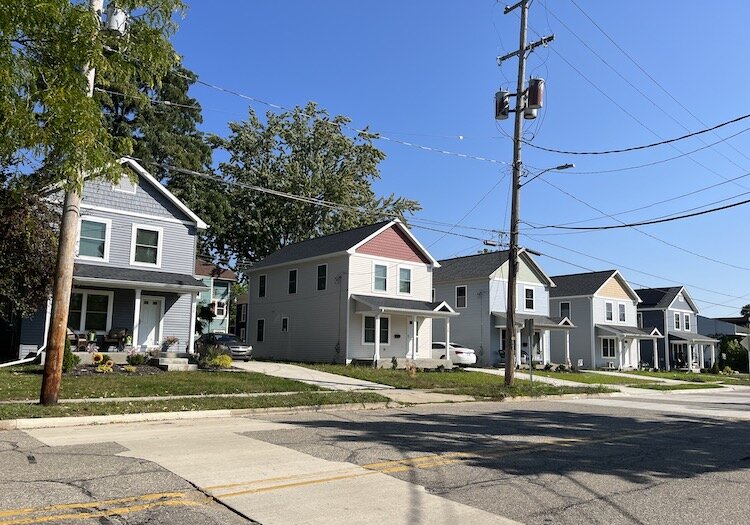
140	370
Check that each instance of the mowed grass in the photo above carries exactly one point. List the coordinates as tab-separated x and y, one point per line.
302	399
681	376
25	383
592	379
477	384
684	386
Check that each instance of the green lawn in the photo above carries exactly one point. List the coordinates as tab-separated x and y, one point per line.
23	410
681	376
477	384
685	386
594	379
25	383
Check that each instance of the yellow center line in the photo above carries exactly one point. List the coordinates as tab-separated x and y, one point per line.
89	504
260	490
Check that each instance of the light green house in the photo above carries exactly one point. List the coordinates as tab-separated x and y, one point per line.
218	283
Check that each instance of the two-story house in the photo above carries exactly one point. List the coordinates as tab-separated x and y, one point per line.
358	295
134	265
603	306
217	296
675	314
476	286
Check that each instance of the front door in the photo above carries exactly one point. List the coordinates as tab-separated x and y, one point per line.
149	321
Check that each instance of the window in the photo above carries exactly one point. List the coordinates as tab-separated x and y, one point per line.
461	296
608	314
243	313
146	245
608	347
433	295
90	310
640	320
284	324
220	308
404	280
380	276
93	241
369	330
686	324
261	330
261	286
292	281
528	298
322	276
677	321
621	312
565	310
125	185
680	298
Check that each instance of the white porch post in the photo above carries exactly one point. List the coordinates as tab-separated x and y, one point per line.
136	316
667	349
414	337
519	348
619	353
638	354
193	314
656	354
376	355
713	354
690	357
567	349
447	336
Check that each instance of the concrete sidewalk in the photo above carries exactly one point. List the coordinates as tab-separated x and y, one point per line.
270	483
309	376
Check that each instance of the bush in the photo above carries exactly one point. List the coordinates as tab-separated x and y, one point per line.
106	357
70	360
136	358
104	369
220	361
129	369
727	370
715	368
548	366
208	353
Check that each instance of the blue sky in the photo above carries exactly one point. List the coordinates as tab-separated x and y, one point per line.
425	72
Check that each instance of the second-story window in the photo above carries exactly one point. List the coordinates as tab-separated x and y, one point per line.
461	296
687	321
92	242
261	286
322	276
640	320
404	280
292	281
677	321
220	308
608	313
565	310
528	298
380	278
146	249
621	312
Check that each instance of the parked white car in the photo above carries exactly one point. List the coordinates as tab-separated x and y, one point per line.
459	354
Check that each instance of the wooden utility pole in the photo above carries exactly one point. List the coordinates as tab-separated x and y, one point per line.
58	328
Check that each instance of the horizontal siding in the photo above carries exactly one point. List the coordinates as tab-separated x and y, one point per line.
473	325
361	278
581	337
393	244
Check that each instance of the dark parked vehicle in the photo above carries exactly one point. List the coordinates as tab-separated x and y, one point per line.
226	342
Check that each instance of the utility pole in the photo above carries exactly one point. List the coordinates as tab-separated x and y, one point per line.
523	109
58	330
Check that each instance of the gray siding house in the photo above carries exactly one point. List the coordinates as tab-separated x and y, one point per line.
134	265
603	307
476	286
358	295
672	311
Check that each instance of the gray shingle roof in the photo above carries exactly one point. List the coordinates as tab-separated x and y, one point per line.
400	304
657	297
469	267
111	273
579	283
327	244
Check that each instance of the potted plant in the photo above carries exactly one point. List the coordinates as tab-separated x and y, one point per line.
168	342
91	336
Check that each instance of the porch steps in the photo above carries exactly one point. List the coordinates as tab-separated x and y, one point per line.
173	362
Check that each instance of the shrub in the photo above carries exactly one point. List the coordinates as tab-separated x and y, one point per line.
220	361
97	358
562	368
208	353
70	360
106	357
129	369
104	369
715	368
136	358
727	370
548	366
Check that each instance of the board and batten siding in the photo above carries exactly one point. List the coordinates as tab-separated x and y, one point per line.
581	337
472	326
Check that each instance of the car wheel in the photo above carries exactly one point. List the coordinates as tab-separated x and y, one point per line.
247	359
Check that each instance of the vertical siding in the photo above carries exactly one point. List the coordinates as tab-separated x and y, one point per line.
393	244
473	326
580	337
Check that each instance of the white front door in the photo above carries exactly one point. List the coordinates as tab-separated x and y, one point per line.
149	321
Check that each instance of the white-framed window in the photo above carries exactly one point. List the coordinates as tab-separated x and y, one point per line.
680	298
220	308
565	309
260	330
677	321
145	245
461	296
243	313
93	238
404	280
608	312
380	277
90	310
292	289
261	286
322	277
621	312
686	324
368	330
528	299
284	324
639	315
608	347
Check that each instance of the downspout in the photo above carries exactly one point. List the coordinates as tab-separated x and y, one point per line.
42	348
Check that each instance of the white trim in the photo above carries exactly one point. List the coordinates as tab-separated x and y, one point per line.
390	329
686	322
118	283
317	278
629	289
216	303
265	286
624	313
372	284
289	281
136	214
287	325
263	338
160	299
159	245
569	308
137	315
533	299
107	238
398	280
524	251
466	296
84	307
601	347
612	305
394	222
677	321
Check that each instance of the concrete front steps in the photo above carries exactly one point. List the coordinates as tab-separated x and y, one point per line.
173	362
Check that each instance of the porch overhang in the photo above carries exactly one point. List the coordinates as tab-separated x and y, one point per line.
540	321
373	305
623	332
692	339
130	278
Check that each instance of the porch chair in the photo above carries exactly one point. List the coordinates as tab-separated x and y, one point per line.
115	337
78	342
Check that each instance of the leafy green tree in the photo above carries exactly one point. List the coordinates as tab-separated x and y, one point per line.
303	152
745	311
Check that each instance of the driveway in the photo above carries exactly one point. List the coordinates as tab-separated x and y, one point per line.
309	376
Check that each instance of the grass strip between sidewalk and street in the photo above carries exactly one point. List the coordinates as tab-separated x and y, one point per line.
302	399
479	385
692	377
591	378
684	386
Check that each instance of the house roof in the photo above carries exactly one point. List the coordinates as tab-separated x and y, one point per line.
481	266
657	297
692	338
125	277
346	241
540	321
579	283
403	305
206	268
628	331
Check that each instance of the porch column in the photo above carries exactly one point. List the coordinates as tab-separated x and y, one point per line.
656	354
376	355
519	348
447	336
136	316
567	349
638	354
414	337
667	349
619	353
193	314
690	357
713	354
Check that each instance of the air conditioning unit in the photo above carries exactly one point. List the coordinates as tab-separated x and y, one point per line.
611	365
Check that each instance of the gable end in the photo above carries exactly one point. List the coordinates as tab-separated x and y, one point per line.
393	244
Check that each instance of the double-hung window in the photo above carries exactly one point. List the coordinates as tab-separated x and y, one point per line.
369	330
261	286
461	296
608	313
640	320
93	241
404	280
220	308
146	244
90	310
380	278
677	321
687	322
565	309
608	347
292	281
621	312
322	276
528	298
260	331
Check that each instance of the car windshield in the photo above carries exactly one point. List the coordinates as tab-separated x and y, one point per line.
226	338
